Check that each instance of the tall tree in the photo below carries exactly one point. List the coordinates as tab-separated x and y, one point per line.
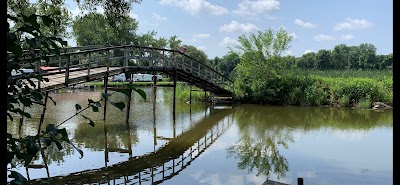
366	57
174	42
228	63
92	29
114	10
55	10
340	55
196	54
261	63
324	59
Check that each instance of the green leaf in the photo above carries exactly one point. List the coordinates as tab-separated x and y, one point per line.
79	150
57	12
51	129
11	38
25	114
47	20
120	105
90	101
18	178
105	95
78	107
97	104
141	92
25	101
52	100
9	116
59	146
15	49
95	109
91	123
124	91
64	134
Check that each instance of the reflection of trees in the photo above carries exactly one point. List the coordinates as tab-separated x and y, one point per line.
263	128
257	147
55	155
117	136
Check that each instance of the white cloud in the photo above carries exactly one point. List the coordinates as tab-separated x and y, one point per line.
158	17
235	26
304	24
323	37
347	37
202	36
293	35
196	6
228	42
308	51
352	24
251	8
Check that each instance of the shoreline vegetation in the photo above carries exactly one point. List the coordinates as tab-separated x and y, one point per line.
361	89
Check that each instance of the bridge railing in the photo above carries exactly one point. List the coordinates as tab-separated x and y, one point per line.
171	168
125	56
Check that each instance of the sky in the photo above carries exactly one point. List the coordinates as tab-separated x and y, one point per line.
214	25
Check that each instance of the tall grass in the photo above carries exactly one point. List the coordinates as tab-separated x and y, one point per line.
318	88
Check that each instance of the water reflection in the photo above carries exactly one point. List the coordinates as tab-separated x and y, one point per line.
155	167
266	131
256	148
154	145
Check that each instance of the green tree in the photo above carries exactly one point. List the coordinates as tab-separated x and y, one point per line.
93	29
228	64
324	59
174	42
55	10
196	54
21	89
260	63
114	10
149	39
340	56
367	56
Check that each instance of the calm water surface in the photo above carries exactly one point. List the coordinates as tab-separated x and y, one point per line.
245	144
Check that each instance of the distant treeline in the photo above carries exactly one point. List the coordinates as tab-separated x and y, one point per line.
362	57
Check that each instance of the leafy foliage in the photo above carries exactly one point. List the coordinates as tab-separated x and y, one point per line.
30	39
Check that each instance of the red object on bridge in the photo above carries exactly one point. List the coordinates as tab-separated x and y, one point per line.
182	49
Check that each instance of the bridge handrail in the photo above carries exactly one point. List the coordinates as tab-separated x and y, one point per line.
134	46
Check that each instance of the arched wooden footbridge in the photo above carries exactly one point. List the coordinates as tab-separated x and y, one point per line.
84	64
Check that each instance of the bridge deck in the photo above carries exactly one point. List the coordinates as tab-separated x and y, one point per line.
84	66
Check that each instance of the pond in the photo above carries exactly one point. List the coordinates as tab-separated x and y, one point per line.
205	144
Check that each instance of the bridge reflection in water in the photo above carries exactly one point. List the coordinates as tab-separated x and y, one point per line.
161	164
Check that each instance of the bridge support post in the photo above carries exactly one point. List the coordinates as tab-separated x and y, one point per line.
105	91
205	96
190	100
128	110
154	112
105	144
173	106
21	121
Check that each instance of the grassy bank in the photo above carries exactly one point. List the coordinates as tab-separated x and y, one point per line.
183	94
320	88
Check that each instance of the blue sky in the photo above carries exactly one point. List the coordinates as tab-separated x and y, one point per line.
213	25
